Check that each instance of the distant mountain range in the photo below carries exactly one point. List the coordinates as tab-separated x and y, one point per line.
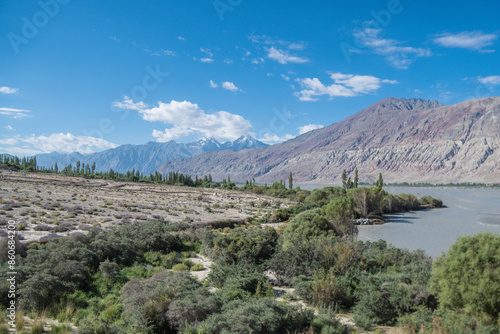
145	158
408	140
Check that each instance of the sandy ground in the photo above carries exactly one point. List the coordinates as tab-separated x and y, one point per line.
45	203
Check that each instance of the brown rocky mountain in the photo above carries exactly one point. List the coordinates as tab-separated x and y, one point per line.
408	140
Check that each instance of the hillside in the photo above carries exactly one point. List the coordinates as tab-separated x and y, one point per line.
408	140
147	157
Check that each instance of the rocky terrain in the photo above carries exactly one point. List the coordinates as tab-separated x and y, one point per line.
408	140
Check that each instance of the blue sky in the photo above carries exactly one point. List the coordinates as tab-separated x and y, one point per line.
90	75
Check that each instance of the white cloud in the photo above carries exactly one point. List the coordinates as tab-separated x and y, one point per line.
8	141
186	118
8	90
207	51
228	61
230	86
207	60
56	142
346	85
128	103
213	84
257	60
171	134
14	113
8	127
492	80
285	77
310	127
180	38
399	56
296	46
168	53
263	39
274	138
283	57
472	40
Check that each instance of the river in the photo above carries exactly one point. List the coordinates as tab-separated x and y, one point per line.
468	211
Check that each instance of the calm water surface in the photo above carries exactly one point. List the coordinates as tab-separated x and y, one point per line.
468	212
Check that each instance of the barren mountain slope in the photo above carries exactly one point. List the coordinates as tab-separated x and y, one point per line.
408	140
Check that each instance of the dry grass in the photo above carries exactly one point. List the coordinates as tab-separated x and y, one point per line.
54	203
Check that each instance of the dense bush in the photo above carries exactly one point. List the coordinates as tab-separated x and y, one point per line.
301	259
251	247
466	278
340	214
321	197
239	282
263	315
146	302
306	226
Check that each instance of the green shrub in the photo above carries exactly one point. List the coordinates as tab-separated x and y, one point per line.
304	227
180	267
197	267
340	214
147	301
280	215
326	322
110	270
466	278
264	315
382	298
250	247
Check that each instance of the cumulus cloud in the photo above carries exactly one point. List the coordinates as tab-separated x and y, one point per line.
346	85
230	86
180	38
310	127
8	90
284	57
472	40
491	80
399	56
8	127
187	118
14	113
274	138
56	142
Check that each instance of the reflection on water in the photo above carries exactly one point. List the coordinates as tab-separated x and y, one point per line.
468	211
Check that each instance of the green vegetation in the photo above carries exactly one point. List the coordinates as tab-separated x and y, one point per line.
135	278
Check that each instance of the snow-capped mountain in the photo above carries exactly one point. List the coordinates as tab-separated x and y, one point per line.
147	157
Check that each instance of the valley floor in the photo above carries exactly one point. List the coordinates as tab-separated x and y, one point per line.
43	204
